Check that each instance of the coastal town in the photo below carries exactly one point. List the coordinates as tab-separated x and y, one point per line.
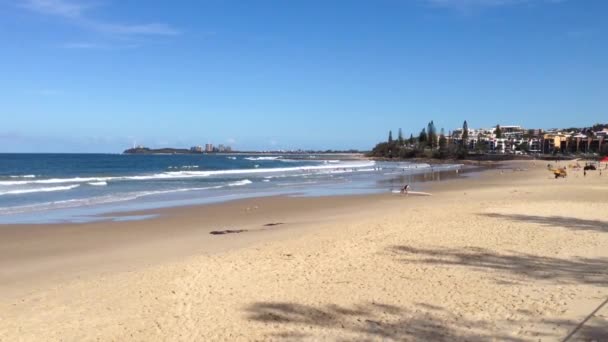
518	140
498	140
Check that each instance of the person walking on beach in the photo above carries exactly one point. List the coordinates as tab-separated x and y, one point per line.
405	189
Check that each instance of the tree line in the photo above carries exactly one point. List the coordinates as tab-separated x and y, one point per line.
430	144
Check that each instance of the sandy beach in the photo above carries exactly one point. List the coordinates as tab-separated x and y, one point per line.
511	254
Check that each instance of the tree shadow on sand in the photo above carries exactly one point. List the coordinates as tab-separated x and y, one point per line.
370	322
592	271
555	221
428	322
595	330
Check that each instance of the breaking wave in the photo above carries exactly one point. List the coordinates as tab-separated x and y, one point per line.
263	158
34	190
339	168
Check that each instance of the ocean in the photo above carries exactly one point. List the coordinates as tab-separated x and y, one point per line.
52	188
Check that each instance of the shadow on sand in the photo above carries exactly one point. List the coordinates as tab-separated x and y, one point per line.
556	221
526	267
370	322
592	271
426	322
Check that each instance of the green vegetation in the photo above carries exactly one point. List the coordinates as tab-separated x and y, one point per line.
604	150
498	132
428	144
465	135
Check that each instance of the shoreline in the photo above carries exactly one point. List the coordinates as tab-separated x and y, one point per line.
497	238
119	210
126	245
31	253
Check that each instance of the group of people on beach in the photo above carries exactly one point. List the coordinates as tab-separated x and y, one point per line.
561	171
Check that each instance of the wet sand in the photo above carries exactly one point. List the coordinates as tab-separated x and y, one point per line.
35	256
508	255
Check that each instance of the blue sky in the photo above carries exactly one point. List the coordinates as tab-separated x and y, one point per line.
95	76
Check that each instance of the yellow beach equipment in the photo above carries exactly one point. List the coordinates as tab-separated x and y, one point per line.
560	173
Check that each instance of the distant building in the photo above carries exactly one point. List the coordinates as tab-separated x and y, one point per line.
535	145
517	139
603	133
221	148
536	133
196	149
208	147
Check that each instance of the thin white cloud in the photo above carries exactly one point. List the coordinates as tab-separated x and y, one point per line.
77	13
54	7
150	29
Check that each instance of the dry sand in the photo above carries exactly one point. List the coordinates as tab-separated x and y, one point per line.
510	255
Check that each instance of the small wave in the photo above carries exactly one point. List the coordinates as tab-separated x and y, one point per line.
28	191
263	158
186	167
194	174
98	183
58	180
106	199
292	160
233	158
240	183
23	176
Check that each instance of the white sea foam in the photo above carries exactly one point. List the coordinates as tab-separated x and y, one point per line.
233	158
184	167
106	199
57	180
263	158
23	176
98	183
338	168
240	183
33	190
